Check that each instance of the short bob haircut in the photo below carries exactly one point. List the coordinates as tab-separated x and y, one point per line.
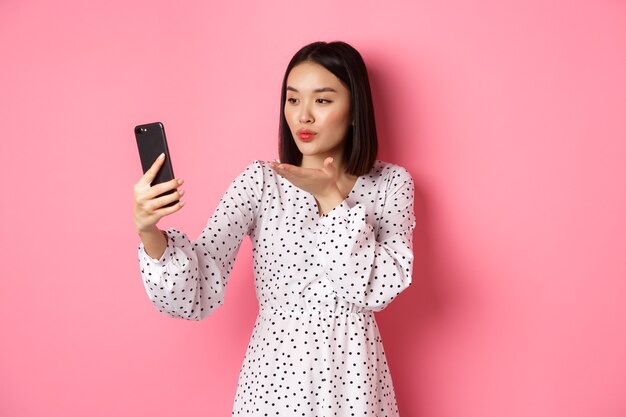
345	62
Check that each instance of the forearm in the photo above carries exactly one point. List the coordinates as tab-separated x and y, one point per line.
154	242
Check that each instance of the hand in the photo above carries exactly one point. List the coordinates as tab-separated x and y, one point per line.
148	208
321	183
318	182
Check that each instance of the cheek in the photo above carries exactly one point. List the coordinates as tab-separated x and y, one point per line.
288	116
338	119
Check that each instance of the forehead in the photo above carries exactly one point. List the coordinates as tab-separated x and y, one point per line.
310	75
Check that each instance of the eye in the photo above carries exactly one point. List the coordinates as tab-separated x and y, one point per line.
292	100
323	101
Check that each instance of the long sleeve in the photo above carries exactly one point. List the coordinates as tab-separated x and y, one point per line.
370	267
189	280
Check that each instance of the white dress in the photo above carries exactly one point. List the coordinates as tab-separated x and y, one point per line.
315	349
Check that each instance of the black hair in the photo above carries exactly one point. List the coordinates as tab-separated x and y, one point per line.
345	62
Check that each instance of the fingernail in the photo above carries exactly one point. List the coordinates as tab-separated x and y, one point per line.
162	156
182	203
181	192
180	181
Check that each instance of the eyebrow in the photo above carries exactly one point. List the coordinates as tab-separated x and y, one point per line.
317	90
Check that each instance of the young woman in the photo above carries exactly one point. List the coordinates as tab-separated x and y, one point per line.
331	229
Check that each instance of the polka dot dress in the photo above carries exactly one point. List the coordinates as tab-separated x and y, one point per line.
315	349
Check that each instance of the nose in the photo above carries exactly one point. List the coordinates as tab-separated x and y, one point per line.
306	116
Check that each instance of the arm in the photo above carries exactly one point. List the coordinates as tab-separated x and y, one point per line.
154	241
189	278
367	268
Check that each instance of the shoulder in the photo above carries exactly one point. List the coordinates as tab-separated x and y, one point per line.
252	175
257	168
257	174
390	173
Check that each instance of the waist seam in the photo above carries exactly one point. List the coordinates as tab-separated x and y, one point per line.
300	312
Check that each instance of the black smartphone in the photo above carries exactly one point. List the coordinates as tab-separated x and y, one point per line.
151	143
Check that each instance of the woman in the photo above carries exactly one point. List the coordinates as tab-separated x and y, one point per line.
331	229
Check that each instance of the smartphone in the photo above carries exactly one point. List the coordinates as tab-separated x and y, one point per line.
151	143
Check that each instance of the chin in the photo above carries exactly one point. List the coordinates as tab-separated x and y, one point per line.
311	153
307	150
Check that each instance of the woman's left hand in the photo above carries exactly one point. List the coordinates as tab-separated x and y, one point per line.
318	182
321	183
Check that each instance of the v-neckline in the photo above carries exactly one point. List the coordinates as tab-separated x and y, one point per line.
310	199
356	182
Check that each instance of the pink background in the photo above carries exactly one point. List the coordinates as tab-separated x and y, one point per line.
510	116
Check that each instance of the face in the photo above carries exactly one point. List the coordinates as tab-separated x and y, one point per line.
317	110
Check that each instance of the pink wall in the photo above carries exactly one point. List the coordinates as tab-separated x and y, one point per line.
509	115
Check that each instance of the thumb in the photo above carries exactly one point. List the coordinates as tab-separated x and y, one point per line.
151	173
329	168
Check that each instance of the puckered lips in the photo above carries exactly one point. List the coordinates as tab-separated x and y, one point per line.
306	135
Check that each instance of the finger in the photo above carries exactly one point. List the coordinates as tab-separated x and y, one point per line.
163	187
278	167
151	173
155	216
330	169
293	170
166	211
159	202
275	165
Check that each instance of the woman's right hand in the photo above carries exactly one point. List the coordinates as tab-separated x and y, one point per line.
149	208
